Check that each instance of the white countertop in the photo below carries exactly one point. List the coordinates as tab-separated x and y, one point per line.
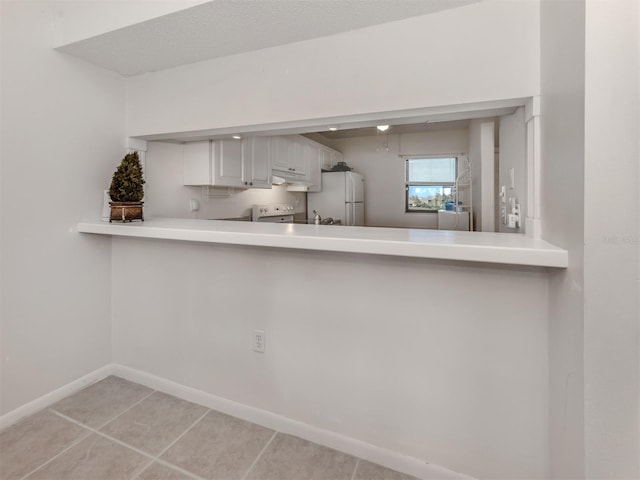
486	247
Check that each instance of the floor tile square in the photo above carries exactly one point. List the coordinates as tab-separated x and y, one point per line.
155	422
219	447
34	440
157	471
371	471
292	458
95	458
100	402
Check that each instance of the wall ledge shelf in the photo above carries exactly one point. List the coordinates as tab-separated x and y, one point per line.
483	247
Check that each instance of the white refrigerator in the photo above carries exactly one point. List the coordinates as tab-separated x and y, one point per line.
341	198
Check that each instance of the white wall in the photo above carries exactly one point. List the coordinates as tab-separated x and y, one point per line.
612	240
482	160
62	137
430	403
496	57
384	172
590	123
166	196
513	156
424	358
562	130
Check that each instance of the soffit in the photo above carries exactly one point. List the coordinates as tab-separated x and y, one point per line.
227	27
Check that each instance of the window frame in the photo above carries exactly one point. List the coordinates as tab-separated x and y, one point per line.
408	183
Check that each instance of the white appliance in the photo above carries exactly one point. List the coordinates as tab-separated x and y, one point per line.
278	213
453	220
341	198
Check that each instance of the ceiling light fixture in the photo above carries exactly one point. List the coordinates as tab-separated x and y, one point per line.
383	128
237	137
333	129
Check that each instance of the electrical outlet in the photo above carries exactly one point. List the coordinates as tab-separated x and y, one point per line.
258	341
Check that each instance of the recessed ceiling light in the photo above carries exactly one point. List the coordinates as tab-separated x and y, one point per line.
383	128
333	129
237	137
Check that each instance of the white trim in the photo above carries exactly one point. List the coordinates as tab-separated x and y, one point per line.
52	397
532	107
441	113
534	177
352	446
137	144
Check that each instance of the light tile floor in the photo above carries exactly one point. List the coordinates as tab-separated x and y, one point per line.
116	429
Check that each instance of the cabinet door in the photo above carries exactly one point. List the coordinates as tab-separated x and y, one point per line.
326	160
197	163
280	154
314	166
298	160
228	163
257	162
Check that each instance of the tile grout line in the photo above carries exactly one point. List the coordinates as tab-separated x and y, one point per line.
108	421
355	469
73	444
139	470
137	450
125	411
253	464
184	433
148	455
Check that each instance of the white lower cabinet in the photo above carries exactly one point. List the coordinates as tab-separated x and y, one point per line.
228	163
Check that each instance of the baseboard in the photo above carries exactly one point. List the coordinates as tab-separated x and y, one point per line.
50	398
357	448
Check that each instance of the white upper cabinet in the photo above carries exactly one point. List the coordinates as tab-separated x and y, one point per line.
257	162
288	159
314	168
228	163
280	154
227	159
298	159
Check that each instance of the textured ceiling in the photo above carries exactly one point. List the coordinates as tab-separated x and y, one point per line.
226	27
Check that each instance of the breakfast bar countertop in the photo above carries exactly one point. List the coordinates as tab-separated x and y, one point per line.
484	247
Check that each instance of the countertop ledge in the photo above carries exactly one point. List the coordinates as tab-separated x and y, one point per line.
485	247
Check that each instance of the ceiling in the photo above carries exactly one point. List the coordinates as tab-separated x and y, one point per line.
372	131
226	27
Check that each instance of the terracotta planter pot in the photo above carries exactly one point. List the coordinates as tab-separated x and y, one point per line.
126	211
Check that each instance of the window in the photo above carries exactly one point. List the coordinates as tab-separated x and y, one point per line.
430	183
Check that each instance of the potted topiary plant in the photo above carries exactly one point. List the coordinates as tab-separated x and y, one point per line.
126	190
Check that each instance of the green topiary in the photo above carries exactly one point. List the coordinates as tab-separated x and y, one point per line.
126	185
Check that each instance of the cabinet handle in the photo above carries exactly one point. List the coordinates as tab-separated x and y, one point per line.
245	183
250	183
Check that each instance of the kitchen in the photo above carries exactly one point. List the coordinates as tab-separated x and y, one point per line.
477	367
175	173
